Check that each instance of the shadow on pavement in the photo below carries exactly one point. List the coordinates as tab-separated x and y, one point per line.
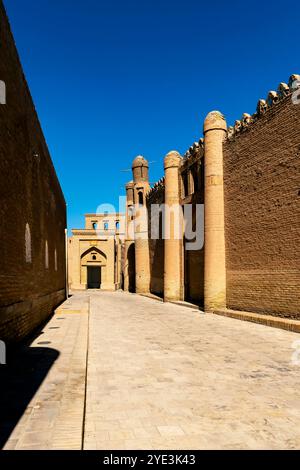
26	369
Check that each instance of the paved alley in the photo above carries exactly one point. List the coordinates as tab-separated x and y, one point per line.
163	376
158	376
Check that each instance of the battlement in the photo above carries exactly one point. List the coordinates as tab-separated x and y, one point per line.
195	150
156	188
284	91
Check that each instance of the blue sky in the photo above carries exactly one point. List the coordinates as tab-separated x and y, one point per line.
114	79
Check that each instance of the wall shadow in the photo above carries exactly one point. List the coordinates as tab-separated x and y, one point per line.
26	369
157	267
131	268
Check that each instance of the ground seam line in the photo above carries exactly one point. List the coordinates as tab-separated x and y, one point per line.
86	376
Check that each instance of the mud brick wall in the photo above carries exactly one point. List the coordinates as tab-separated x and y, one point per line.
29	194
194	276
262	213
156	246
193	271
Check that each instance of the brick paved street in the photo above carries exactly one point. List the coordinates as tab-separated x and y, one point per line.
161	376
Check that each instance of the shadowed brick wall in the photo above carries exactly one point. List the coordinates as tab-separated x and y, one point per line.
262	213
192	193
191	176
32	209
156	246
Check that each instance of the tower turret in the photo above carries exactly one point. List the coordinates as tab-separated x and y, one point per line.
140	169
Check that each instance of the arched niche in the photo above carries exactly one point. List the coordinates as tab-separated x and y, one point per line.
28	246
46	255
93	256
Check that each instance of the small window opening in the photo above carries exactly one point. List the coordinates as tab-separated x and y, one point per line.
185	184
141	199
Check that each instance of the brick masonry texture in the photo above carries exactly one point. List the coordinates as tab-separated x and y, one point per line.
156	247
192	269
30	194
262	214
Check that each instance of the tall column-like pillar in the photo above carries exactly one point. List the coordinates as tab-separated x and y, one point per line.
173	230
142	261
214	267
140	170
129	233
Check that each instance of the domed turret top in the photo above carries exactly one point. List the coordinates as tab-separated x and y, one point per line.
140	169
214	120
140	161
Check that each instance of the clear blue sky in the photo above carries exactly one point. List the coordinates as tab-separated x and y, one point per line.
113	79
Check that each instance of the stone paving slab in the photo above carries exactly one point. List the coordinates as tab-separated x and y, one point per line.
159	376
52	414
162	376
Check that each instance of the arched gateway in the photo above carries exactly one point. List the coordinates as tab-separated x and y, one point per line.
93	263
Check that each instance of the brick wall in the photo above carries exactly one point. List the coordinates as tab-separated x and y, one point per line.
30	196
156	246
262	213
192	268
194	276
192	193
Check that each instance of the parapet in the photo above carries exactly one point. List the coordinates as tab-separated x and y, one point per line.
156	188
195	151
273	98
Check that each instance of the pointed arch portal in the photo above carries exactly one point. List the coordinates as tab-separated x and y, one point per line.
93	265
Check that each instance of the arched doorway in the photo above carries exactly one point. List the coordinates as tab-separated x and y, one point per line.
93	277
93	265
131	267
